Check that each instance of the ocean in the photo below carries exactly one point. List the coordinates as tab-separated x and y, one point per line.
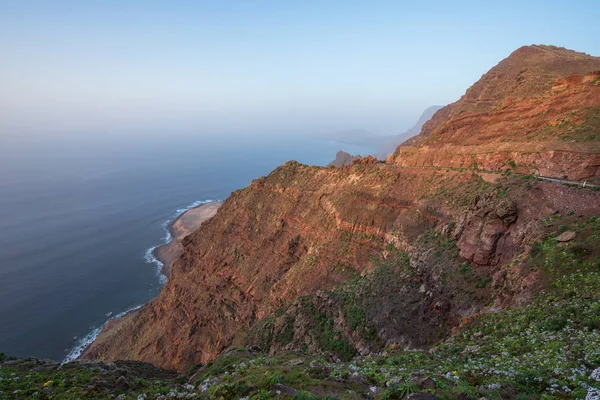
78	221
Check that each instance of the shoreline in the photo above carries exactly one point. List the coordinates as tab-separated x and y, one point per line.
181	226
202	211
85	342
153	256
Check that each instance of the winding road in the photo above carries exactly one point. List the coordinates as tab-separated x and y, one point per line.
558	181
583	184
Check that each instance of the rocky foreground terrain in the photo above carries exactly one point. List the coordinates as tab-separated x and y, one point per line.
450	271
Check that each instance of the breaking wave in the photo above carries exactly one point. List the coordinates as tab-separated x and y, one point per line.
150	256
84	341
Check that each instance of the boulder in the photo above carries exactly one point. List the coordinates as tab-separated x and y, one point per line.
427	383
565	237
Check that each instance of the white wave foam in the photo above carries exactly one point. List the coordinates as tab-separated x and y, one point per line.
149	255
151	259
89	338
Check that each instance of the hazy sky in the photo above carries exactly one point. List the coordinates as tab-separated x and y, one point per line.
140	67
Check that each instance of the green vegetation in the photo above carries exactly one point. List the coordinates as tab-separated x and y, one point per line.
401	390
580	127
583	254
549	349
287	334
460	193
304	395
34	379
587	131
329	339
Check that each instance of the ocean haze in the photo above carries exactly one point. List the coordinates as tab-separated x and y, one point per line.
76	221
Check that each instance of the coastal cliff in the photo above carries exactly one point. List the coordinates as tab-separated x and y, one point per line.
350	261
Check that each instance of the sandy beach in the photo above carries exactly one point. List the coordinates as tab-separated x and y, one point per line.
181	227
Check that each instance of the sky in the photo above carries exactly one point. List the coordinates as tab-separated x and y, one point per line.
141	68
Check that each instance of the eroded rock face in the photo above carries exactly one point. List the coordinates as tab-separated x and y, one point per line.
484	229
304	229
180	228
268	244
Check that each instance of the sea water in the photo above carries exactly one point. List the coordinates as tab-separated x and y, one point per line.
78	223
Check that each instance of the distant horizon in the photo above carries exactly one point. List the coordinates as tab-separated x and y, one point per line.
75	70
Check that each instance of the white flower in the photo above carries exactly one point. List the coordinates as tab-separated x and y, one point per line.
593	394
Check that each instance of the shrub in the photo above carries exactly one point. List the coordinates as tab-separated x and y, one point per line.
304	395
275	378
401	390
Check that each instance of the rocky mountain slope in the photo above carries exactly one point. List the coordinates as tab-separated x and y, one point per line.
351	261
537	110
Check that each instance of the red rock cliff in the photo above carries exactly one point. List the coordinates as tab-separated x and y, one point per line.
305	230
537	111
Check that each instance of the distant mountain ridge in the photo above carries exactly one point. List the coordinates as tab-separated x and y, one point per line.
389	143
383	145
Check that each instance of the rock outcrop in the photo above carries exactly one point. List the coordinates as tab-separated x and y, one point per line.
342	159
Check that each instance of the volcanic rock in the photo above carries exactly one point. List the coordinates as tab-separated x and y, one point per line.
566	236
